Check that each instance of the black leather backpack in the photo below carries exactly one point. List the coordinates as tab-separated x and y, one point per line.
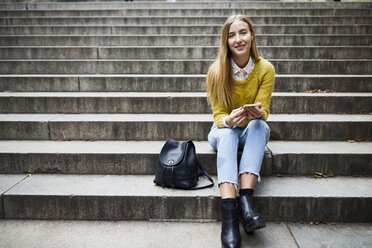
178	168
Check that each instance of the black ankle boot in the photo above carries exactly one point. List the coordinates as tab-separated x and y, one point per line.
230	235
251	219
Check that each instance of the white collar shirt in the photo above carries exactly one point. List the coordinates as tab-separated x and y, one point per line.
241	73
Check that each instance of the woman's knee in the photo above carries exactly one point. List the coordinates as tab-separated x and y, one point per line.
257	124
261	126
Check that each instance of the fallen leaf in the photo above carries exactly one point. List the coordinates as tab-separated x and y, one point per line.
321	175
357	140
315	222
317	91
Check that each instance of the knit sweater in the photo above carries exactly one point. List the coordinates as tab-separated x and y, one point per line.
257	87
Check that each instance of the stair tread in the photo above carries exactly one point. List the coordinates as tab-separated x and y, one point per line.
178	117
8	181
143	186
170	94
154	147
180	25
173	75
319	147
196	234
141	234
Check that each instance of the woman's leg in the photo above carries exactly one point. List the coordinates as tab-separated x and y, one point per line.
226	141
248	181
227	190
255	138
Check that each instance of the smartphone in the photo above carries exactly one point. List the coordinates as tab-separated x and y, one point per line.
251	105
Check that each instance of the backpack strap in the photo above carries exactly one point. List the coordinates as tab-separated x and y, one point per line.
203	172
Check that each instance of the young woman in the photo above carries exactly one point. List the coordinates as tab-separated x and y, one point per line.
238	77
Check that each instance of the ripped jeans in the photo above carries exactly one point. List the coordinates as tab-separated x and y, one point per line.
250	140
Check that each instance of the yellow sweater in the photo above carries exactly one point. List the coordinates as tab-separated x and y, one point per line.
257	87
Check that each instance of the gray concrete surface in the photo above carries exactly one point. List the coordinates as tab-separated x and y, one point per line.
182	40
175	66
336	158
124	157
180	5
104	197
6	183
14	234
174	102
337	10
171	83
339	235
313	127
181	29
189	52
182	20
40	234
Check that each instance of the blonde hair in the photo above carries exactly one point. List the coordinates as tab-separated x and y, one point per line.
219	77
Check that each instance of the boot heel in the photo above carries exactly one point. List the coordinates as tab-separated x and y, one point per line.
253	225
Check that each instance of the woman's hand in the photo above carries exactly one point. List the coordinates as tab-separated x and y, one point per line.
237	117
254	112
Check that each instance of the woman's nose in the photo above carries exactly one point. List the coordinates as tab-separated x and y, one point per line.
238	38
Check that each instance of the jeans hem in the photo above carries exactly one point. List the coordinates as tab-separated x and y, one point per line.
235	184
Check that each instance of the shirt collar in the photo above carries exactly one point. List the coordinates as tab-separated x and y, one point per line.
236	68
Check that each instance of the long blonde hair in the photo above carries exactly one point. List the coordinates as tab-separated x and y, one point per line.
219	77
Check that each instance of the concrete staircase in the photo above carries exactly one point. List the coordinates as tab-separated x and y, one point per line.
91	91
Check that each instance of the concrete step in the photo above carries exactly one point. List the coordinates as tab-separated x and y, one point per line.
213	11
108	197
305	158
316	127
339	158
171	83
151	52
6	183
175	20
173	102
196	234
180	5
180	29
181	40
100	157
173	66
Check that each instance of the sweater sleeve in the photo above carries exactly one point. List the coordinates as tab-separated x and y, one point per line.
218	114
265	90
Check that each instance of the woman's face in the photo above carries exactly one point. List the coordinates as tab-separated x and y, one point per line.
239	40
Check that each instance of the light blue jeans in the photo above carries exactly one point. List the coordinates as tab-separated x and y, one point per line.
250	140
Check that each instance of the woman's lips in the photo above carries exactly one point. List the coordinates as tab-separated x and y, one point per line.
240	47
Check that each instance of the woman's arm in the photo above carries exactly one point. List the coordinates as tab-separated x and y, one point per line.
265	90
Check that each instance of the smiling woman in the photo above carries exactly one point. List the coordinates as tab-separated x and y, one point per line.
239	87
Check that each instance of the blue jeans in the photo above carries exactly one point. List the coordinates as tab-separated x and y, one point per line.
250	140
